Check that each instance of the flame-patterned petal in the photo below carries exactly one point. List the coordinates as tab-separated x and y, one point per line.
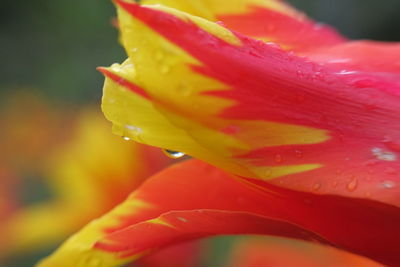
270	115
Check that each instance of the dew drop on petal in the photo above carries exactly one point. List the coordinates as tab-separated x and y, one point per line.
126	138
267	173
278	158
383	155
182	219
298	153
352	185
387	184
316	186
158	55
164	69
184	90
173	154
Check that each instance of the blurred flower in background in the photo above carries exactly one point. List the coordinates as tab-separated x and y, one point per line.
60	166
62	171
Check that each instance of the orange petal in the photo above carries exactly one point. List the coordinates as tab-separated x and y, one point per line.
263	252
192	200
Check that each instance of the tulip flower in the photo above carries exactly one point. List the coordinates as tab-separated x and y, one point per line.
294	130
87	174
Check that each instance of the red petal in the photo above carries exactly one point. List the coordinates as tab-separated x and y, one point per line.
192	200
361	55
292	31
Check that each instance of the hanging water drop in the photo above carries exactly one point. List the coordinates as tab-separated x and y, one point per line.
126	138
173	154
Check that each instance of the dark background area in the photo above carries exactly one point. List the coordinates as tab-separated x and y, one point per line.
54	46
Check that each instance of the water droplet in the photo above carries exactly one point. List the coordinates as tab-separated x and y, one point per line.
352	185
173	154
159	55
133	132
346	72
182	219
316	186
164	69
267	173
132	128
298	153
278	158
184	90
383	155
387	184
300	74
126	138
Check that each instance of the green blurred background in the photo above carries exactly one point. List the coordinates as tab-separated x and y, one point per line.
54	46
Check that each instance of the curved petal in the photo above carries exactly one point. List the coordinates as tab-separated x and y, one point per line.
251	251
270	115
192	200
267	20
266	251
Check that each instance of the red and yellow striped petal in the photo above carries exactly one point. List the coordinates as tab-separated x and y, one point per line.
267	20
193	199
254	109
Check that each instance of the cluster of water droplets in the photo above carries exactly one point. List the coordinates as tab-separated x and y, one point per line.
134	131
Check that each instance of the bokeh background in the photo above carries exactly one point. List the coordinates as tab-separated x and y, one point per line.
50	50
